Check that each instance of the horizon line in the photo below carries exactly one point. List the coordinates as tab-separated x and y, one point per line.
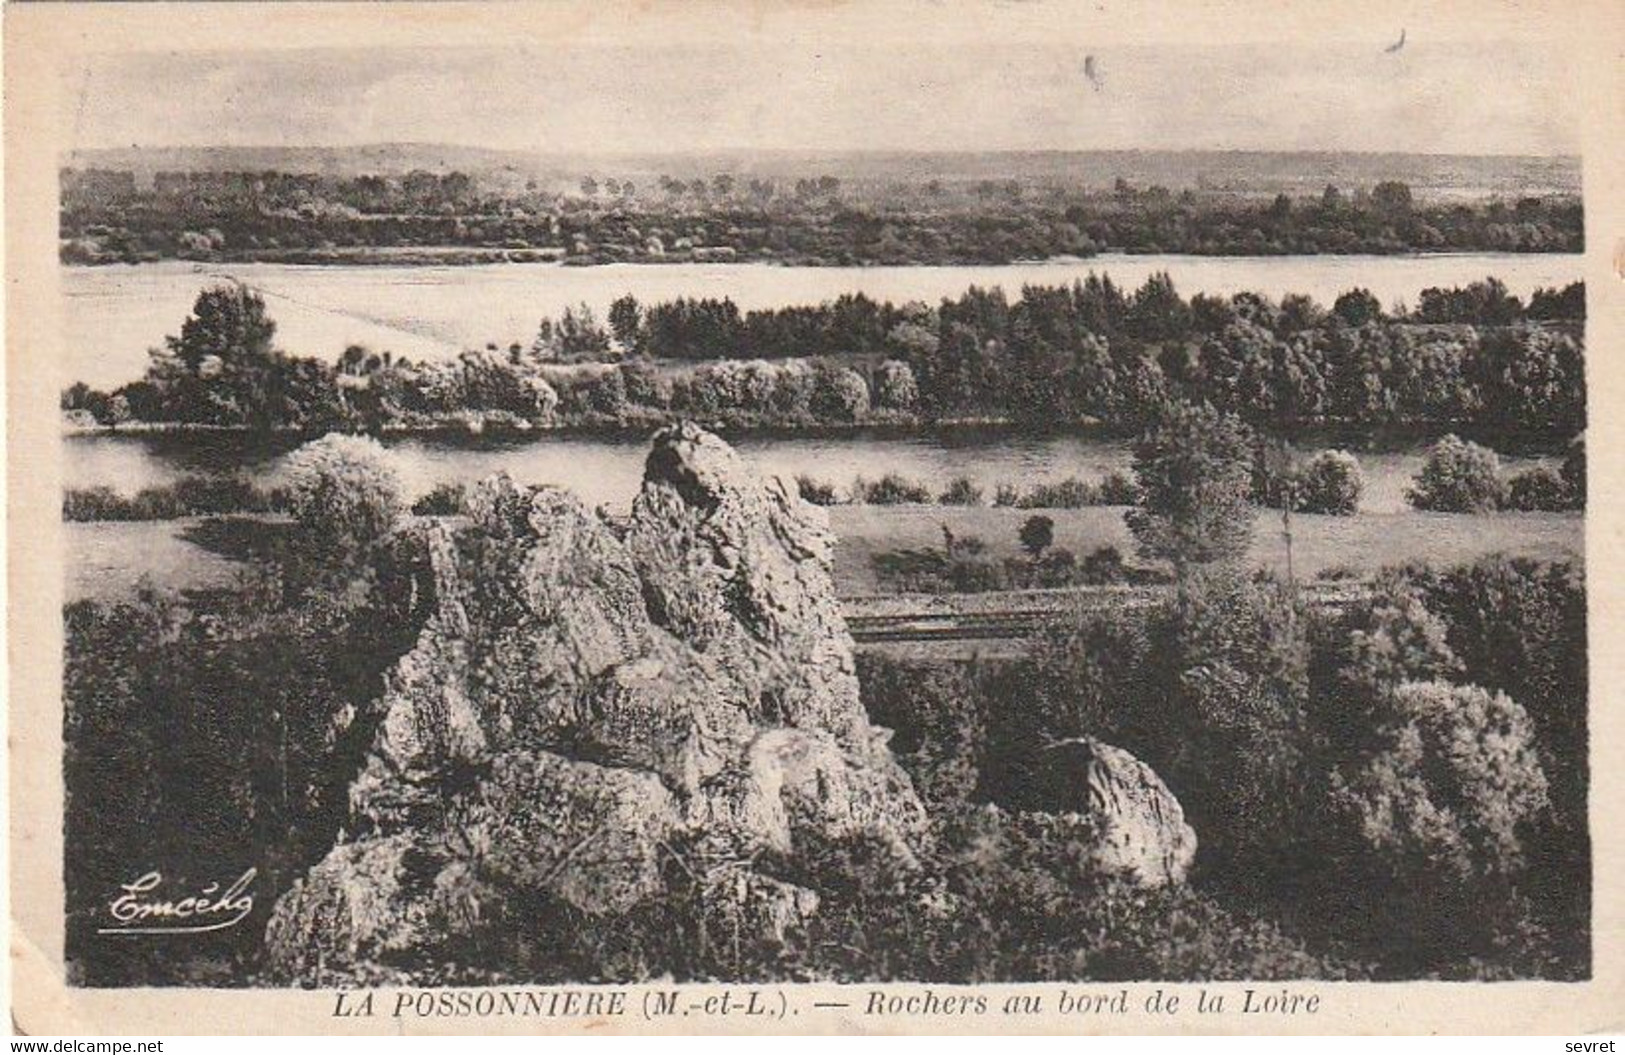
828	151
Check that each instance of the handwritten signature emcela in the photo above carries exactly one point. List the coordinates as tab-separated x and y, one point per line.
137	910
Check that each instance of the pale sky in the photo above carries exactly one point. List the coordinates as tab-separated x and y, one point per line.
1431	96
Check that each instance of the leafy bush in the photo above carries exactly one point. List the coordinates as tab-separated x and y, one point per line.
963	569
1006	495
1053	568
444	500
1574	470
1540	489
344	493
1391	639
961	491
1118	489
1519	627
1453	779
1036	534
840	394
189	496
96	503
1331	482
1070	493
1004	896
817	492
935	712
895	386
1458	477
891	489
234	715
1105	566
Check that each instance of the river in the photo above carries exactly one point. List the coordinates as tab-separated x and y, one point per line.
113	314
607	471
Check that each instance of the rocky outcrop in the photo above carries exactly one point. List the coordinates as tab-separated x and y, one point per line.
1138	830
588	714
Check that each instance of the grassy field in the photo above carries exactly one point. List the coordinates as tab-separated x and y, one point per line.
1360	543
110	559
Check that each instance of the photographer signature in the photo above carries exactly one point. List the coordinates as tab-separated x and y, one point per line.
140	910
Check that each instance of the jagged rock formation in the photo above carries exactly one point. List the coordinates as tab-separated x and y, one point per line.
583	714
1139	833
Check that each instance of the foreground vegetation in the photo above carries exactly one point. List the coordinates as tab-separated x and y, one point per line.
1402	782
1393	790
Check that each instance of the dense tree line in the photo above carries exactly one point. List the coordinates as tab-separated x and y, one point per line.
302	217
1473	358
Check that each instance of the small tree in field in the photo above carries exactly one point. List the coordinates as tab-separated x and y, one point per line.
1195	473
1036	535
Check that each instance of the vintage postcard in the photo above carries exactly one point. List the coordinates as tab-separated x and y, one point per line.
814	517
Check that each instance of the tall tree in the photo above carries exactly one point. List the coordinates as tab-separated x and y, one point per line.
1194	469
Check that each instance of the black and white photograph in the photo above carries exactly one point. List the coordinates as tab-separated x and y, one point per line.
844	496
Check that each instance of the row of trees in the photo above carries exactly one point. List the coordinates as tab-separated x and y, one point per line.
815	219
1054	356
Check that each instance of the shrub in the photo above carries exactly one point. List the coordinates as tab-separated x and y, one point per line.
961	491
95	503
1541	489
1393	638
1574	470
961	567
1036	534
344	493
446	499
189	496
890	490
1054	568
816	492
1104	567
1006	495
1118	489
1519	627
1458	477
1008	896
1331	482
1070	493
840	394
895	386
1453	778
1228	726
939	728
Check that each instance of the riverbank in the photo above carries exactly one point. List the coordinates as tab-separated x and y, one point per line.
428	256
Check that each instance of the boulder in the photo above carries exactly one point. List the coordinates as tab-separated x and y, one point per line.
589	715
1139	830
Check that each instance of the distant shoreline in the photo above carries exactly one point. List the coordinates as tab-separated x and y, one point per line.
455	256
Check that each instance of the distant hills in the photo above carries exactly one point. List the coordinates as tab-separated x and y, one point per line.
1432	175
